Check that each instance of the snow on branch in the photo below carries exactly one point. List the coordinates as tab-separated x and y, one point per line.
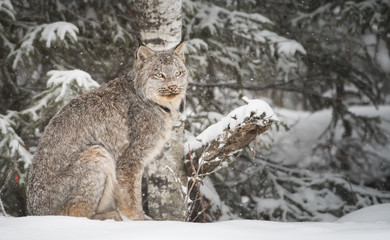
247	28
65	79
48	33
7	8
51	32
12	146
62	86
211	149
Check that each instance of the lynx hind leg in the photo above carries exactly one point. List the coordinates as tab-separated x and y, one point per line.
94	196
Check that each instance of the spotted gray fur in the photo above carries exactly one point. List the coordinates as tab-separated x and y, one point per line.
90	159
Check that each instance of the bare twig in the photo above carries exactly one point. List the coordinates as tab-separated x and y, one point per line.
352	192
195	182
256	141
202	212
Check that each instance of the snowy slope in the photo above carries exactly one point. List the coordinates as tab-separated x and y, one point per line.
375	213
41	228
352	226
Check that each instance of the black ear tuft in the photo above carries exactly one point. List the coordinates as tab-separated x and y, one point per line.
143	53
179	51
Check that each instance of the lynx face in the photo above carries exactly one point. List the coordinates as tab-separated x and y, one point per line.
161	76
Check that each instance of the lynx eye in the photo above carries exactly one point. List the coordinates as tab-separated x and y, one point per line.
178	73
159	75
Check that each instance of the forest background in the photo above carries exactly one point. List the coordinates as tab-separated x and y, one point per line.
324	67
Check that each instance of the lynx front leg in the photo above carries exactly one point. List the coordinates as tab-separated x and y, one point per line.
130	182
94	195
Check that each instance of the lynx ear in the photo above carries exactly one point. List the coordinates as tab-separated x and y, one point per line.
143	53
179	51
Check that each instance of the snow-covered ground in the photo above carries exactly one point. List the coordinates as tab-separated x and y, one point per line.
354	226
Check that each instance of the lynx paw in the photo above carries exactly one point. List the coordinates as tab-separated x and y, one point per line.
108	215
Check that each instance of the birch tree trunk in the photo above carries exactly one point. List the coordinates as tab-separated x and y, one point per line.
159	25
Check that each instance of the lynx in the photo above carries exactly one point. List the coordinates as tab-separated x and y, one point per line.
91	157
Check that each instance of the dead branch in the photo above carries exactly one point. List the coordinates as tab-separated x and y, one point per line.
216	153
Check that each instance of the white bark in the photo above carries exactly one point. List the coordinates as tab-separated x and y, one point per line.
159	23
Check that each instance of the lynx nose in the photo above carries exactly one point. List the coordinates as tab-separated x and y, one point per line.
172	87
